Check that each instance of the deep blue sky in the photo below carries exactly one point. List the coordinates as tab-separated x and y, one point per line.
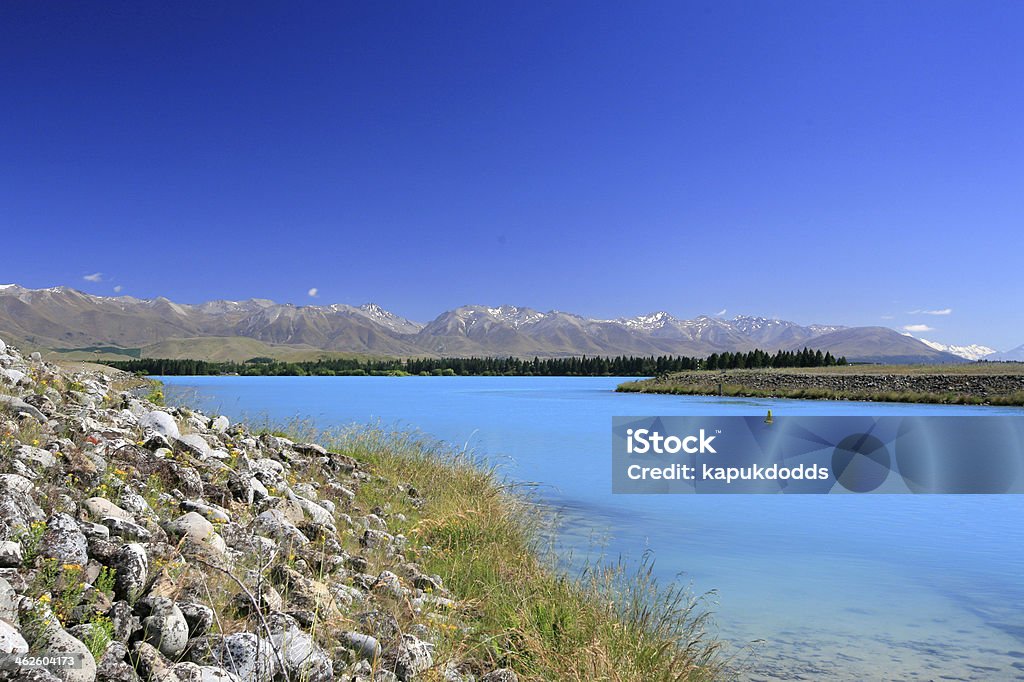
844	162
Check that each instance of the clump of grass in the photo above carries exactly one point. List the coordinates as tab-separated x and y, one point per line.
153	493
69	591
36	621
156	394
31	539
100	635
527	614
1010	399
104	582
60	586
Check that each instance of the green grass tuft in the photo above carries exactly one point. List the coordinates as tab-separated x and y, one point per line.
487	542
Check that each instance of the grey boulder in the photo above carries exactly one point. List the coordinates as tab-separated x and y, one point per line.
166	627
100	508
274	524
54	641
245	654
161	423
19	405
193	444
363	647
11	641
198	616
64	541
129	530
198	529
8	602
132	571
155	667
302	657
17	508
409	658
10	554
112	666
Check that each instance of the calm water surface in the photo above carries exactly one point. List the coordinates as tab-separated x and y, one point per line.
837	587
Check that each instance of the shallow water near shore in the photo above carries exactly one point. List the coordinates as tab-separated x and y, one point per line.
873	587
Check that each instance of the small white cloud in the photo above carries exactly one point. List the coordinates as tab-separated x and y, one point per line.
94	277
940	311
117	289
918	328
314	292
720	312
888	317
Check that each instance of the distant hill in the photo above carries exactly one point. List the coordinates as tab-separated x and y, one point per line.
880	344
1013	355
83	326
209	348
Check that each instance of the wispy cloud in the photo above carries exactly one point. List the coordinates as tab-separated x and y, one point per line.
117	289
314	292
918	328
94	277
940	311
720	312
888	317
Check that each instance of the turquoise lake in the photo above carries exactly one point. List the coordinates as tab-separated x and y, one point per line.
835	587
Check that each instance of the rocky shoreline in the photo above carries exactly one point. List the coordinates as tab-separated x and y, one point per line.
980	388
139	542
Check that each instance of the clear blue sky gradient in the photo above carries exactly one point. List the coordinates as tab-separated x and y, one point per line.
837	162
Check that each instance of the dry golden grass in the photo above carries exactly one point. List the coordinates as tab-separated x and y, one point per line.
523	612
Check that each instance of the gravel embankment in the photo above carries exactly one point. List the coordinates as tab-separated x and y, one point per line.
163	544
926	387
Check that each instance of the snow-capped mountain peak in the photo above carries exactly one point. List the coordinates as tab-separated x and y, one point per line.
374	310
514	315
468	330
747	323
655	320
389	319
972	351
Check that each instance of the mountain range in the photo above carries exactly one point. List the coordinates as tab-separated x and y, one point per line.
976	351
69	321
1012	355
973	351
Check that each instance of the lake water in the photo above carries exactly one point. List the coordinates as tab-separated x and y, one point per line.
872	587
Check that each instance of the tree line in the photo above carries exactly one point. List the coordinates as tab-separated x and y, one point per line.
621	365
